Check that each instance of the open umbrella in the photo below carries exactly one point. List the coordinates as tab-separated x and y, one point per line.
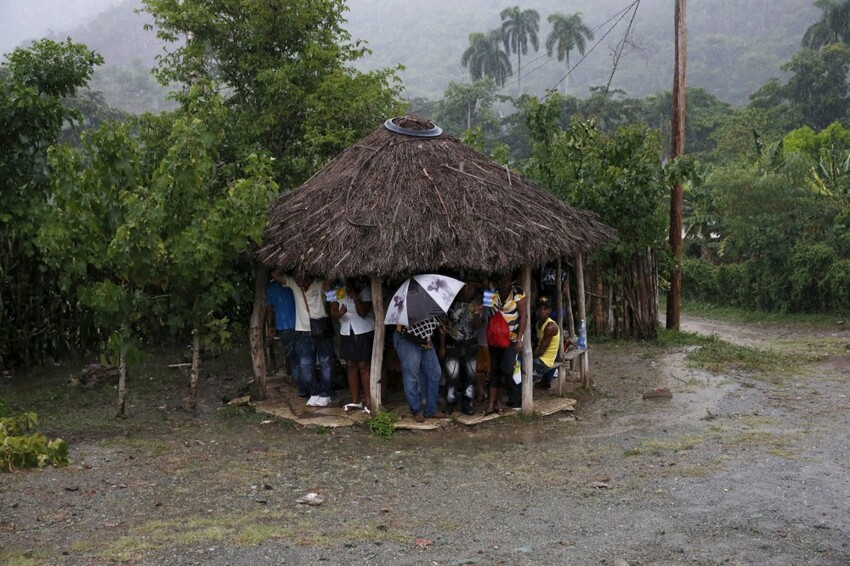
421	297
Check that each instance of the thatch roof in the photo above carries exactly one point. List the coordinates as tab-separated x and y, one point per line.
396	204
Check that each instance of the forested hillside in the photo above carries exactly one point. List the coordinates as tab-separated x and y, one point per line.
735	46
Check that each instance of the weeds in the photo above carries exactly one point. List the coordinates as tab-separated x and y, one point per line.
382	424
19	450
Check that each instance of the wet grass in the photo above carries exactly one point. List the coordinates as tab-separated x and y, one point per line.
24	558
732	314
245	529
154	391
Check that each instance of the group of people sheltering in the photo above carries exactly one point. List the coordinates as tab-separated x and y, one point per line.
466	356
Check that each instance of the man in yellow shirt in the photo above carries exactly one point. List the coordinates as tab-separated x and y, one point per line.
548	336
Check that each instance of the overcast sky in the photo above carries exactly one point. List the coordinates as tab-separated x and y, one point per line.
25	20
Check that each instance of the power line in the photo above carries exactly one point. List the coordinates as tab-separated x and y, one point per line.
618	16
622	13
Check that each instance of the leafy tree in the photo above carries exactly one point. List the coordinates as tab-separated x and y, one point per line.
832	27
743	134
484	58
519	28
568	33
618	176
465	106
818	85
283	67
149	226
702	222
36	83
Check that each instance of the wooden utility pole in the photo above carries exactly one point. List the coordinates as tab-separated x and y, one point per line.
674	295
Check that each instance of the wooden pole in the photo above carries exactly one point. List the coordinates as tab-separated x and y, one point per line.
527	357
582	315
377	344
257	332
571	319
677	142
559	304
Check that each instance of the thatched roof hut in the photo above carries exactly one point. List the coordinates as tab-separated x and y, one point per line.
411	199
395	204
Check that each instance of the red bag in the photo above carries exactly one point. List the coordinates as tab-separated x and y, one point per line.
498	333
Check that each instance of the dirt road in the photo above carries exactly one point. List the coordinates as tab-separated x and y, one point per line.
734	469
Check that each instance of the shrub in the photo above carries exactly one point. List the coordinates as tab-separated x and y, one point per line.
810	264
836	284
699	280
19	450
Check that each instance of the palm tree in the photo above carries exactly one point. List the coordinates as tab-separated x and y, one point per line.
833	26
519	28
568	33
484	57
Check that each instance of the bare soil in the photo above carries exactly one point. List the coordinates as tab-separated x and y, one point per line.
736	468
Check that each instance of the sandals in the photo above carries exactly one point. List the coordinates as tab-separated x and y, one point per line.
498	411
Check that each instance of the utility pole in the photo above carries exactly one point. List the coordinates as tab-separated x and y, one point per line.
674	295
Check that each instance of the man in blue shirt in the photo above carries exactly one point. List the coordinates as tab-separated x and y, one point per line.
280	320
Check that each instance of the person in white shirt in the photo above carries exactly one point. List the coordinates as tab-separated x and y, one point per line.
353	309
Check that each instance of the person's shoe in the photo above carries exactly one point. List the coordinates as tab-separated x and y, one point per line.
303	395
450	408
323	401
543	385
419	417
311	402
467	406
350	406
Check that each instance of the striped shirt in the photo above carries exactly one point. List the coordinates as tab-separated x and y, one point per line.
510	309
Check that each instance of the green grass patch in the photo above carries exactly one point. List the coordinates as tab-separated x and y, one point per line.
24	557
733	314
658	447
717	355
243	529
673	338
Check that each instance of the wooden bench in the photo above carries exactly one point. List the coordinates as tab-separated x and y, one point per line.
572	360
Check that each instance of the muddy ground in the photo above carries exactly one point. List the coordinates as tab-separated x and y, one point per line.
737	468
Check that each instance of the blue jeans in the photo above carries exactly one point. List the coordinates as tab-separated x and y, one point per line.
542	372
310	350
420	372
287	343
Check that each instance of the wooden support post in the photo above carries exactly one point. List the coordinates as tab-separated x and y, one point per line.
570	316
527	355
258	332
582	315
377	344
559	304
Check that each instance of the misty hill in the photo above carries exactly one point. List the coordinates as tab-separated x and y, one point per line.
734	46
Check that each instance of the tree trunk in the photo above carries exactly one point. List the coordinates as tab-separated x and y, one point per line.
122	383
192	400
257	332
